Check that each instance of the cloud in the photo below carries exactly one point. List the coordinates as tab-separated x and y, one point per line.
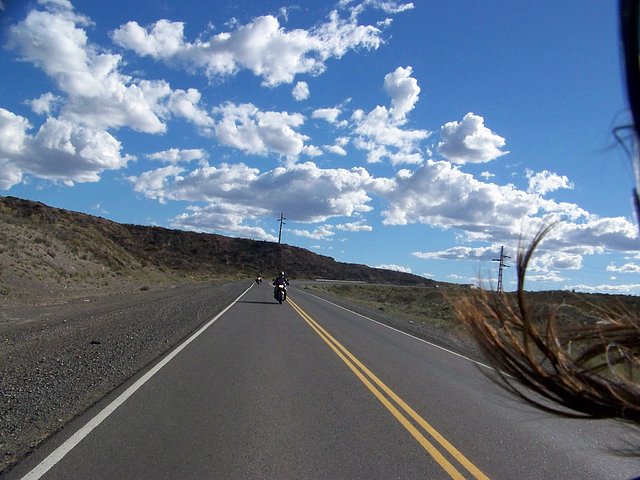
51	40
184	104
545	261
323	232
247	128
454	276
626	289
626	268
542	267
155	183
595	234
60	151
461	253
175	155
389	7
470	141
382	136
163	40
44	104
306	192
221	217
252	46
300	91
395	268
98	96
439	194
546	181
328	114
13	133
358	226
546	276
63	151
381	132
10	174
336	149
312	151
403	91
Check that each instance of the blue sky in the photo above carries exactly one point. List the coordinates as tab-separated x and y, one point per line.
412	136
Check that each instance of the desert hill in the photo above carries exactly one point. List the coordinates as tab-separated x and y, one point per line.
49	251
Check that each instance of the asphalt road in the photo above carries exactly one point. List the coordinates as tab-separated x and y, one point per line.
309	390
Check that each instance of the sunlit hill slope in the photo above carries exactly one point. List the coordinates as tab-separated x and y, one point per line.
48	252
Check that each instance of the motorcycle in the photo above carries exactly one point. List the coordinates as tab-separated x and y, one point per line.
280	293
258	279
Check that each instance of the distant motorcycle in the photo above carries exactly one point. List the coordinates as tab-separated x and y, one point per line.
280	293
258	279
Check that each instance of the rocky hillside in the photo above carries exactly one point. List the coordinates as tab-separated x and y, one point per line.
49	252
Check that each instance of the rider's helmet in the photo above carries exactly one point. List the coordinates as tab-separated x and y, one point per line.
282	274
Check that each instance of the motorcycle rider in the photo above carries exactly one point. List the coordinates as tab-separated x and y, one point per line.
280	280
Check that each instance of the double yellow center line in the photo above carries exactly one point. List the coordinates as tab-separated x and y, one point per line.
387	397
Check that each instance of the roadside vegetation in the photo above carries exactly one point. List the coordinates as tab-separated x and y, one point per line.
424	305
439	307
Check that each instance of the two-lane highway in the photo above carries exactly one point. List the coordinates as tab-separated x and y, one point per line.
308	389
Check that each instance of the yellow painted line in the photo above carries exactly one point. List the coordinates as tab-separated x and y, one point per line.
353	363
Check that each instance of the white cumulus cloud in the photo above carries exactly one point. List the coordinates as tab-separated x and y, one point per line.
234	220
251	130
328	114
359	226
382	132
395	268
323	232
98	95
460	253
300	91
262	46
469	141
176	155
13	133
403	90
60	151
546	181
626	268
307	193
44	104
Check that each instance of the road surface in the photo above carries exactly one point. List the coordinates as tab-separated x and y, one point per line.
310	390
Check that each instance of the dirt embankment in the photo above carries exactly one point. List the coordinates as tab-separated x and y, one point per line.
58	360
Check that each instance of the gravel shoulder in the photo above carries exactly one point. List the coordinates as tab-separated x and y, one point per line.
58	360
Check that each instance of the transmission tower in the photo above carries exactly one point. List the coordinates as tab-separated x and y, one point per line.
281	220
501	266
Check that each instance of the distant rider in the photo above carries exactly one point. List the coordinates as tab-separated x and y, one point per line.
281	280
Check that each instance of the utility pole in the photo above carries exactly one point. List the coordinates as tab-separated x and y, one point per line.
501	266
281	220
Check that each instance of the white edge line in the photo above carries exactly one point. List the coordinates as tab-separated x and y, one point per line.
59	453
403	333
